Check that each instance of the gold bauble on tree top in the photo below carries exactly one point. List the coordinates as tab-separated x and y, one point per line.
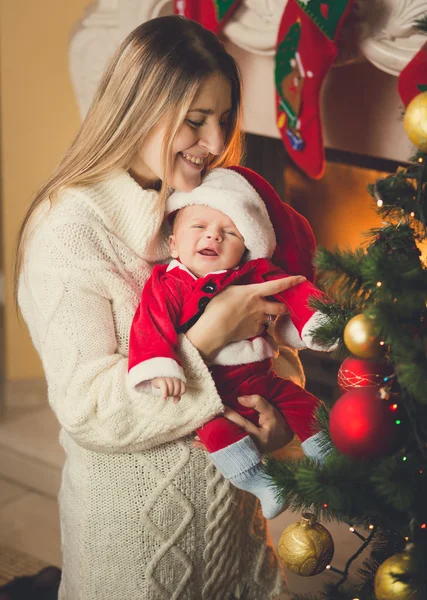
361	337
387	587
306	547
415	121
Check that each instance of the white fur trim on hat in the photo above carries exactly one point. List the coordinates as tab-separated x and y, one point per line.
229	192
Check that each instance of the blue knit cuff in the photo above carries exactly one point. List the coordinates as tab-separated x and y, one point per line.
236	458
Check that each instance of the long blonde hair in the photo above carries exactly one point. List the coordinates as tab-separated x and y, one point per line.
154	76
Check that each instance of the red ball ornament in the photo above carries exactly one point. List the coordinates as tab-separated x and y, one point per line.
362	425
361	372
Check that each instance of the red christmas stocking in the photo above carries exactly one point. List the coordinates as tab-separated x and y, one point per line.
413	78
306	49
212	14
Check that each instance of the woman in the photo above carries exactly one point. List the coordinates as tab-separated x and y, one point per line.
144	514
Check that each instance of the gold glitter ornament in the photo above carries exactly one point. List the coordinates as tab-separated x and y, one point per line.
361	337
306	547
387	587
415	121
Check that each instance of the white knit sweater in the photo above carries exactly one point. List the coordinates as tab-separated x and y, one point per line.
144	516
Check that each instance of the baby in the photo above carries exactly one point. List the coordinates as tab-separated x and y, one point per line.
221	236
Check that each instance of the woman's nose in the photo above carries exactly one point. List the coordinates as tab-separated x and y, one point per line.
213	139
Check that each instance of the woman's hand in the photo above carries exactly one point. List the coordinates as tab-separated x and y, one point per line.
238	313
272	431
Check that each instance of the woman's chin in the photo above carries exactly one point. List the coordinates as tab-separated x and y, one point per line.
186	183
186	176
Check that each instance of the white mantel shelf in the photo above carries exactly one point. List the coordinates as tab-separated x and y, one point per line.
360	107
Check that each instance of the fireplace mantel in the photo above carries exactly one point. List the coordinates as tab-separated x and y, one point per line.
360	105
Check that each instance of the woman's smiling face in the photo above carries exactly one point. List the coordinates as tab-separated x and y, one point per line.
202	134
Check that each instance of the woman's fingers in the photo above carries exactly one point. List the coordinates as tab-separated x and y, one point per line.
269	288
258	403
198	444
272	432
274	308
248	426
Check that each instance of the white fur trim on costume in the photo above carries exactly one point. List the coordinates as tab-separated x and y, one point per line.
140	375
229	192
175	264
247	351
287	334
312	324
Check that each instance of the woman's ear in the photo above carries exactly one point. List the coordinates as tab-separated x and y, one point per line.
172	246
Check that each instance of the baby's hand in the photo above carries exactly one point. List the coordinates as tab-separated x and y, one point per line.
169	386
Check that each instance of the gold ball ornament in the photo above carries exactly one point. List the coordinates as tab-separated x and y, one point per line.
387	587
306	547
361	337
415	121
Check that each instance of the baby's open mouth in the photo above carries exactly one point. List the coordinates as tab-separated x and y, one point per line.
208	252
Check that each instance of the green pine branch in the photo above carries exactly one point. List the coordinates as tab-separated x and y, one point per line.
386	279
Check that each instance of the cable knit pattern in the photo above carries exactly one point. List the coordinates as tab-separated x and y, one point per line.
143	514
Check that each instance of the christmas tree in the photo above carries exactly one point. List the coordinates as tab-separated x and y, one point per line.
374	471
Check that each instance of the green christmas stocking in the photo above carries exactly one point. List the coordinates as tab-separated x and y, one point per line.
306	49
212	14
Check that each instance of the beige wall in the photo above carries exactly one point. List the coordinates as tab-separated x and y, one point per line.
38	119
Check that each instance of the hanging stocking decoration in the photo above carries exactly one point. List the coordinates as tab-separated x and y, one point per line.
306	49
413	78
212	14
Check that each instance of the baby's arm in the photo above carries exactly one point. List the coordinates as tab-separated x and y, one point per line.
153	337
169	386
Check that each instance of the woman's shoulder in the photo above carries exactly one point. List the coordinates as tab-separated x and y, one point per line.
115	203
115	196
91	219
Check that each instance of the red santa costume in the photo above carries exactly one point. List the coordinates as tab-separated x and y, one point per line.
174	299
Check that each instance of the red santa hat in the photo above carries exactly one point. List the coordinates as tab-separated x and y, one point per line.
232	194
294	239
296	244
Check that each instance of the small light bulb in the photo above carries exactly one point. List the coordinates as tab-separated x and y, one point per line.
328	567
380	203
412	214
382	343
351	529
424	525
398	422
379	283
371	526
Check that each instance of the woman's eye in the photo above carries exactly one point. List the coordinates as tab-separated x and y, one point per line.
197	226
195	124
